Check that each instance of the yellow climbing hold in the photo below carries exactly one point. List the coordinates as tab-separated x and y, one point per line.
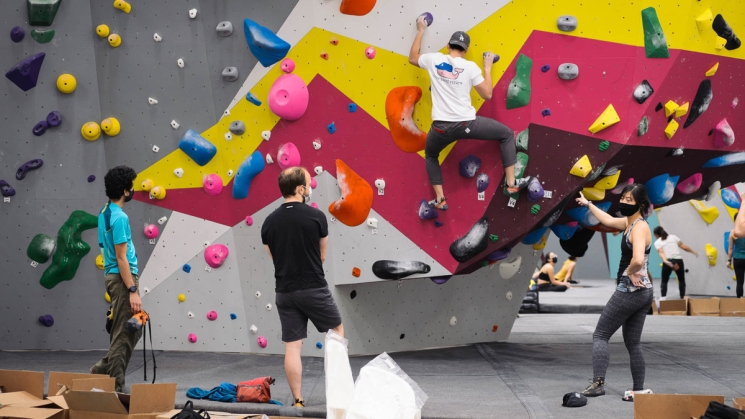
99	261
670	108
608	182
713	70
593	194
147	185
107	297
719	43
111	126
542	243
158	192
711	254
606	119
115	40
704	20
682	110
102	30
123	6
582	168
91	131
66	83
708	214
671	128
181	298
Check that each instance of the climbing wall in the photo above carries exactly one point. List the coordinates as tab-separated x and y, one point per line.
613	93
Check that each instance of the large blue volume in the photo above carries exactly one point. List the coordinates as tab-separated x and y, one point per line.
264	44
252	166
196	147
26	73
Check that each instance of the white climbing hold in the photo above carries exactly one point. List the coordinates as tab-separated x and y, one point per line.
318	170
508	296
269	307
152	101
372	222
157	37
190	314
193	13
206	244
228	136
230	173
317	144
162	220
180	62
258	294
156	148
174	124
226	113
146	290
269	159
453	321
266	135
380	184
178	172
508	269
254	329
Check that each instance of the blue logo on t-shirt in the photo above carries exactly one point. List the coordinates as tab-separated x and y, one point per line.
446	70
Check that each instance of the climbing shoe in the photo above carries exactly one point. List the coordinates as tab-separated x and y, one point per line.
299	403
597	388
440	204
628	396
519	184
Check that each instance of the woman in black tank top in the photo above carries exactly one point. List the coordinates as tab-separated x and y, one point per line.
545	277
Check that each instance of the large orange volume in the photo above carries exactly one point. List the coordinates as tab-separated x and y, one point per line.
356	199
399	109
356	7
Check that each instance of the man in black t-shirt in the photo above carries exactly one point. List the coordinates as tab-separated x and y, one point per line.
295	235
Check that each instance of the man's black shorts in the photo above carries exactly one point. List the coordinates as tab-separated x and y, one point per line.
297	307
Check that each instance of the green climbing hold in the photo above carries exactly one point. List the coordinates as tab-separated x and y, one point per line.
520	165
521	142
493	237
484	264
643	126
518	92
535	209
655	43
40	248
42	36
42	12
604	145
70	249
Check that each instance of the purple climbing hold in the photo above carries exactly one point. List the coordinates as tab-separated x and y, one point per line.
546	112
26	73
469	166
535	190
545	68
482	182
425	212
427	17
54	119
47	320
499	255
17	34
27	167
40	128
439	280
495	57
6	189
91	178
439	223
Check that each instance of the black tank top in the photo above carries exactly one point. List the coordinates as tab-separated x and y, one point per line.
544	276
627	253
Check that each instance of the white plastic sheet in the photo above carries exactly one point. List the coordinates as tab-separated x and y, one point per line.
339	381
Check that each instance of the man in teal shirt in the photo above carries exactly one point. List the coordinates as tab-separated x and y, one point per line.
120	269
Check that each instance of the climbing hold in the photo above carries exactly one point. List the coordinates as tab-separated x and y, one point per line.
262	341
713	70
192	13
691	184
151	231
701	102
482	182
147	185
370	52
179	172
42	36
288	156
40	248
224	28
66	83
174	124
230	74
181	298
115	40
372	222
26	72
655	44
158	192
264	44
427	18
494	238
54	119
111	126
469	165
723	134
91	178
100	265
521	140
288	97
643	126
568	71
606	119
603	146
726	160
123	6
189	314
40	128
545	68
6	190
334	41
266	135
317	144
661	188
520	165
251	166
391	269
711	253
331	128
546	112
356	7
186	268
643	91
237	127
565	231
474	242
352	107
658	107
47	320
325	56
585	217
593	194
508	269
670	107
251	98
709	215
682	110
269	159
704	20
355	203
157	37
287	65
566	23
608	182
518	91
17	34
535	209
215	255
535	190
313	183
582	167
212	315
671	128
535	236
70	249
192	338
722	29
730	197
380	184
399	110
212	184
27	167
197	148
439	223
426	212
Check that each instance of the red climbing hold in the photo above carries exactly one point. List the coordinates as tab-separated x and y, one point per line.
356	199
399	107
356	7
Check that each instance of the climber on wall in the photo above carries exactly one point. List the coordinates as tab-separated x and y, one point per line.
120	270
739	230
667	246
453	116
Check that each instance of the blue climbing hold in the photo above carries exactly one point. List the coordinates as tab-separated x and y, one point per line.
661	188
27	167
546	112
91	178
499	254
425	211
186	268
331	128
17	34
564	232
264	44
730	198
26	73
40	128
352	107
196	147
545	68
233	316
439	223
251	98
319	345
469	166
482	182
252	166
535	236
439	280
6	190
47	320
726	160
585	217
726	242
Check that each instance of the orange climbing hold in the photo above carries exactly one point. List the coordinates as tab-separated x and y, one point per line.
356	199
356	272
356	7
399	109
324	56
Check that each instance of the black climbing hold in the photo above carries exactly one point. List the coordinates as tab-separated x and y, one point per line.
577	245
670	118
482	182
469	166
643	91
675	152
237	127
658	107
722	29
711	132
402	336
473	243
91	178
392	269
353	294
439	223
701	102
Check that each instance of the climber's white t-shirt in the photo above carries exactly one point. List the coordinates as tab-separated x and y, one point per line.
451	80
669	246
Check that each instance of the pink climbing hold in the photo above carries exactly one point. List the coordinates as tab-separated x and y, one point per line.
288	156
314	205
572	224
617	190
151	231
287	65
370	52
215	255
192	338
262	341
212	315
212	184
690	184
288	97
723	134
249	220
313	183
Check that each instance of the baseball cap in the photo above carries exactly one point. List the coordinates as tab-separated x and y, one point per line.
461	39
574	400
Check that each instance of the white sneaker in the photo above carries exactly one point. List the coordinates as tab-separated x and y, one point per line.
628	396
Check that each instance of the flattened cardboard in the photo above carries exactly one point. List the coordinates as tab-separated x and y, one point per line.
65	378
732	307
739	403
674	307
17	397
29	381
152	398
703	307
672	406
88	384
15	412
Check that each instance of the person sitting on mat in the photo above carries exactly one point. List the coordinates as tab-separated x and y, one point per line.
545	277
566	271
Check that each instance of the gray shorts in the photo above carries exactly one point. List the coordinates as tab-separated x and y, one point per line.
297	307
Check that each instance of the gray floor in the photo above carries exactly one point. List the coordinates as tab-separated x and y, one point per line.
546	356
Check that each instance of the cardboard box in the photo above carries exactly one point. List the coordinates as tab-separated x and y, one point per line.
703	306
217	415
23	405
672	406
31	382
674	307
732	307
56	379
147	401
19	412
739	403
87	384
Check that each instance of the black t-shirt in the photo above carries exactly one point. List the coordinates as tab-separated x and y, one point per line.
293	232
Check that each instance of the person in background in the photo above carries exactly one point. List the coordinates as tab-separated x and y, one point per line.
739	229
545	276
566	271
667	246
736	259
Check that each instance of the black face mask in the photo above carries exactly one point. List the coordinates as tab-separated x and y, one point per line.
131	195
554	259
628	210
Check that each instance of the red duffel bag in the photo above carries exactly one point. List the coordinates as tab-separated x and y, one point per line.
255	391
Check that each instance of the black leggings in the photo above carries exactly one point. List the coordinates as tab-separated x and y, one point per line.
549	287
739	265
680	273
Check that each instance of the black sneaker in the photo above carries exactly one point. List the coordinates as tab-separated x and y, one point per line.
571	281
597	388
520	184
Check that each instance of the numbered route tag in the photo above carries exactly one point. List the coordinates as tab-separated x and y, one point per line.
207	268
512	203
6	199
34	263
482	196
152	241
547	194
374	231
381	191
333	220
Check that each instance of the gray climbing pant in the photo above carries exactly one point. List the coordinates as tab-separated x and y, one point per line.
627	310
121	342
442	133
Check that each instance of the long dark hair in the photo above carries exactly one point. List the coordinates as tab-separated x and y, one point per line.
639	192
660	232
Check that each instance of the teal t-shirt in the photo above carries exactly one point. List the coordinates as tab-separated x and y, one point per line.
739	251
113	229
